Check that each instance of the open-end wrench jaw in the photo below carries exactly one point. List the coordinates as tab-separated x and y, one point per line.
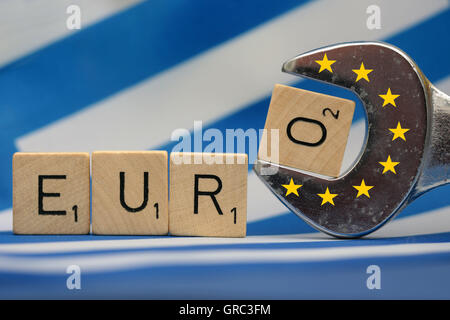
423	158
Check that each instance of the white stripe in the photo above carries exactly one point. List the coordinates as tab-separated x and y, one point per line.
26	26
221	80
431	222
148	243
6	220
444	85
261	203
437	221
355	144
120	261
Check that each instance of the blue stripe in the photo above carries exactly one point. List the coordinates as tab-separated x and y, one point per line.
7	237
401	278
118	52
423	43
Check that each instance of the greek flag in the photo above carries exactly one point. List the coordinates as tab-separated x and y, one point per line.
80	75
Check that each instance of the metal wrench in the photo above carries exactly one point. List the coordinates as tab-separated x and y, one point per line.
423	158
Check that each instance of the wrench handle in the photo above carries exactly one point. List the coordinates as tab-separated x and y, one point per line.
436	169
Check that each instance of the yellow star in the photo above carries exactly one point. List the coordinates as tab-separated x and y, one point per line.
327	197
291	187
389	98
399	132
325	64
389	165
363	189
362	73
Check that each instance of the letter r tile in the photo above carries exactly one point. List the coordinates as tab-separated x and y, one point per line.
51	193
208	194
313	130
129	193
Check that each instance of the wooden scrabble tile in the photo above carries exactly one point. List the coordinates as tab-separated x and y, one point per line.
313	130
130	193
51	193
208	194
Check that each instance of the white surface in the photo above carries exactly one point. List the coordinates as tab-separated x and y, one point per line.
117	261
27	25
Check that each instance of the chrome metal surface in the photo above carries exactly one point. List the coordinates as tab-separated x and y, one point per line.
423	158
436	167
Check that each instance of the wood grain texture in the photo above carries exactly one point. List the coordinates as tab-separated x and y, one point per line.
136	210
66	176
303	111
223	175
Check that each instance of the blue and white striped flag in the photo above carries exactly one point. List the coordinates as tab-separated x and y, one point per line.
134	71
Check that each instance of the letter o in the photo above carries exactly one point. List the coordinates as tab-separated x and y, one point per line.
309	144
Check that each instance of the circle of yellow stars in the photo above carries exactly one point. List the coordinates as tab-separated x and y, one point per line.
398	133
